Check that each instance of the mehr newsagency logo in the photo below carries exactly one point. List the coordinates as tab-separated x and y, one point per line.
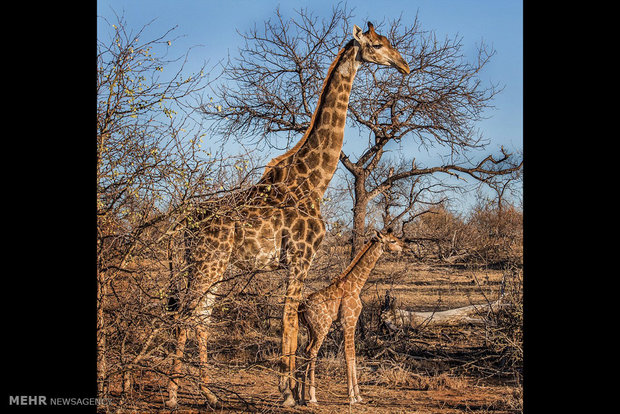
44	400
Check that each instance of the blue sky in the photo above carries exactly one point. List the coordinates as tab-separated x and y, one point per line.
213	25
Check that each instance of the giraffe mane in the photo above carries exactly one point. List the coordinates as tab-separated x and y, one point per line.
356	260
294	149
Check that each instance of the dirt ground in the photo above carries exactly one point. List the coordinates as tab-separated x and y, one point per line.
256	391
441	377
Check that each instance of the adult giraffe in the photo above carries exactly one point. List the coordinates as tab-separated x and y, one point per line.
277	221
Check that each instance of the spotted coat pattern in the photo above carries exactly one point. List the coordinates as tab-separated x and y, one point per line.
340	301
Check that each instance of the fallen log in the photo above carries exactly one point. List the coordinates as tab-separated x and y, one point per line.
472	314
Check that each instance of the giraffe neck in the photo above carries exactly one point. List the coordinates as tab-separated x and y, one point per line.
358	271
307	168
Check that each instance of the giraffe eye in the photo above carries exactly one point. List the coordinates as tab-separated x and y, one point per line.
377	46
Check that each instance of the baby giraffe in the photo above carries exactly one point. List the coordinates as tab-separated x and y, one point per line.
341	301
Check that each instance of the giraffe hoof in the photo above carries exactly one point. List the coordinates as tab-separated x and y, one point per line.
214	403
289	401
211	398
172	404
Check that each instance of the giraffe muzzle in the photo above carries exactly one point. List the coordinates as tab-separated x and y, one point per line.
401	66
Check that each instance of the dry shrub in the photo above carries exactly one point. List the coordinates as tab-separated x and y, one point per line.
332	364
246	330
515	400
397	376
497	234
246	318
438	234
488	236
504	329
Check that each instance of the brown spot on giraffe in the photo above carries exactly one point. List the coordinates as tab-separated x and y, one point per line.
301	168
312	160
334	122
340	301
315	177
327	160
299	229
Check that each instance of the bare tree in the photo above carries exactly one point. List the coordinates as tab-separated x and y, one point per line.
149	164
407	198
273	83
271	88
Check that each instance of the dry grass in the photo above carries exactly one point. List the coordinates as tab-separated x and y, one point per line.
395	376
436	370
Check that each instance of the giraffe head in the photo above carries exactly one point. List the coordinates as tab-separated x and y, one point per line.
390	242
377	49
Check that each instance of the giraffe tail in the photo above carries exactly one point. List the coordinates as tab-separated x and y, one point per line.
302	316
173	295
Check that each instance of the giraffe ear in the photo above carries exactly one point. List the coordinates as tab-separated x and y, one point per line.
357	33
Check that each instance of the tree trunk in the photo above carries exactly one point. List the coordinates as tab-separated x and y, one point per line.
359	214
474	314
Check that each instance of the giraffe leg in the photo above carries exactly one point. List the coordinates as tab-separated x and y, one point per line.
301	388
204	308
203	313
349	352
351	309
302	394
356	389
201	336
312	381
290	329
177	366
289	347
200	299
313	351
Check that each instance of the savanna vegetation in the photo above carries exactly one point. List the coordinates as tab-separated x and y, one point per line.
160	131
